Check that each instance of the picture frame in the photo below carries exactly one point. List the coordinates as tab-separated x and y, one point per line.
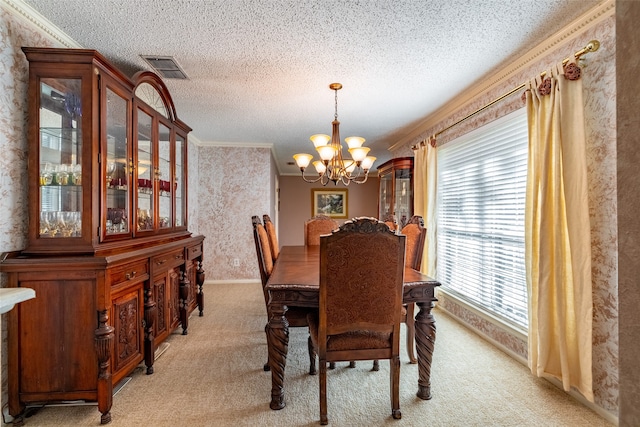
332	203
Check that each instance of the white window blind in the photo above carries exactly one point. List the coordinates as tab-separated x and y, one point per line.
481	195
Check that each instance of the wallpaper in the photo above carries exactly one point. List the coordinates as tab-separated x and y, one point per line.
13	141
600	121
234	184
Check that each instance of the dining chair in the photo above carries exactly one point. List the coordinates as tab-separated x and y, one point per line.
416	233
391	221
296	316
360	301
316	227
273	236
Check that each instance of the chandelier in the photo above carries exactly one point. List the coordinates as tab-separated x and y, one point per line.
332	166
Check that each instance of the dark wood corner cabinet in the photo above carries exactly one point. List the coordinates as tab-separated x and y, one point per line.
113	265
395	195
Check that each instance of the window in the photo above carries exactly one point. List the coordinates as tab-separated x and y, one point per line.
481	196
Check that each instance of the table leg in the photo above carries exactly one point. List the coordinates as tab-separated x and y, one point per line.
278	343
425	342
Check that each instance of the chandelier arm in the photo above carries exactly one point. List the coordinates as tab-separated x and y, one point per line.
366	176
311	181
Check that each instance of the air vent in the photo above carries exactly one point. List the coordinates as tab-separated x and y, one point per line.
166	66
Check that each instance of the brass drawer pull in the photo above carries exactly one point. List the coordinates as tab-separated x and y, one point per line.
161	262
130	275
178	256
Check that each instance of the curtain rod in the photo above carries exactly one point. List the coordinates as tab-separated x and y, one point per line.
592	46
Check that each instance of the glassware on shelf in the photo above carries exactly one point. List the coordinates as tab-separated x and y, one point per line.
111	168
145	221
145	186
76	174
46	174
61	175
44	224
60	224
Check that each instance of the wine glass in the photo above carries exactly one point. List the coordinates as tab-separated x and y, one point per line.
77	174
44	224
111	168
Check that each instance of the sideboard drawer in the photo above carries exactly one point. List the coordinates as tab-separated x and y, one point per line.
194	252
131	272
167	260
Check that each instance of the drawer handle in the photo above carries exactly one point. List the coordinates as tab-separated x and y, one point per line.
161	262
178	256
130	275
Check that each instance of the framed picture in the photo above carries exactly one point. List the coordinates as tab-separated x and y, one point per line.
332	203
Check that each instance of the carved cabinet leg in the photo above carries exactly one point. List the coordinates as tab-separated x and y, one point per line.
278	342
200	281
104	345
425	340
150	314
184	298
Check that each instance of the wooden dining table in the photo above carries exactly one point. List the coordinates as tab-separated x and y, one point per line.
294	282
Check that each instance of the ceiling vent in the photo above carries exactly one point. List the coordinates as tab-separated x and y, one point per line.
166	67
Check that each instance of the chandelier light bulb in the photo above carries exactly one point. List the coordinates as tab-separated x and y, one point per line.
367	162
354	141
358	154
320	139
302	159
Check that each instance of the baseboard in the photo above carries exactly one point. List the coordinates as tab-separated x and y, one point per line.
227	281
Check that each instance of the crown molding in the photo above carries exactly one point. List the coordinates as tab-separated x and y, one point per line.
570	32
32	17
235	144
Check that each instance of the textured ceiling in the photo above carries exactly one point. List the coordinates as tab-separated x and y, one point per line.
259	70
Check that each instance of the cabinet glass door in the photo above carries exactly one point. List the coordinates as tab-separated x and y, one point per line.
164	177
179	181
145	173
60	156
403	196
386	196
117	165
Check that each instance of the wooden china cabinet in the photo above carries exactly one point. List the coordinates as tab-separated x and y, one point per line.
109	255
395	195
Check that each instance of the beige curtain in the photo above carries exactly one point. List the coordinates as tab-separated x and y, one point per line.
425	172
557	234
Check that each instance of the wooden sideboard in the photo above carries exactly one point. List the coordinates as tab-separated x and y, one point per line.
109	255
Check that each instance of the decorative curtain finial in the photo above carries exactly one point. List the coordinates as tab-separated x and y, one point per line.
572	71
545	87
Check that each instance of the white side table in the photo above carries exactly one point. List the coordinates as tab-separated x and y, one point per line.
11	296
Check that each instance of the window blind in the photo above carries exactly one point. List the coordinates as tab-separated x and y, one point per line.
480	238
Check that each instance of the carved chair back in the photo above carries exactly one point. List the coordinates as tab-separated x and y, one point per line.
360	304
416	234
316	227
263	252
273	236
391	221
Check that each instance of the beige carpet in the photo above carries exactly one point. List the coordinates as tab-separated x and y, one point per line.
214	377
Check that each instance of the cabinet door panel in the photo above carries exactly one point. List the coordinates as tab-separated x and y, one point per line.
146	175
164	178
127	313
55	341
60	158
174	309
116	167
